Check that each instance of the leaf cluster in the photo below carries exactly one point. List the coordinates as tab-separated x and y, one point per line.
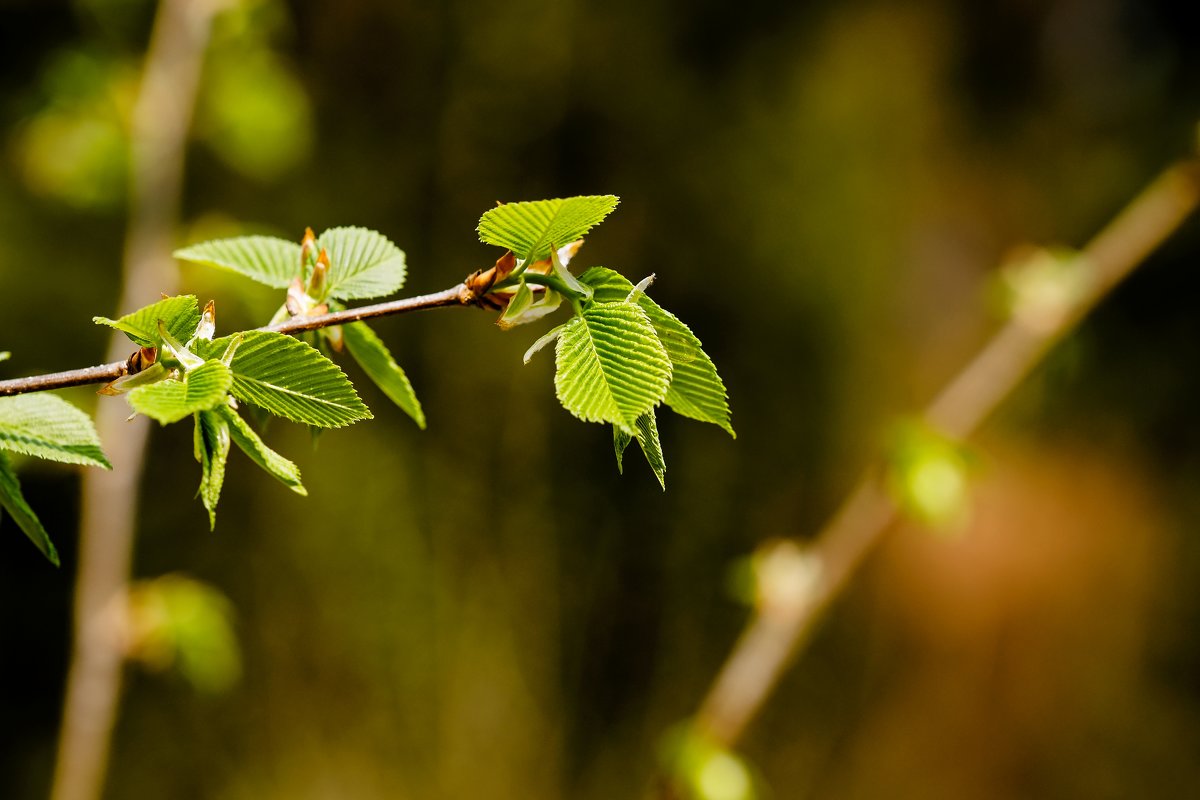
618	358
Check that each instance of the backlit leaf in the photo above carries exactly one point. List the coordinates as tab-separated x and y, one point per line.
245	438
47	426
171	400
14	503
696	391
180	315
373	356
530	228
611	366
363	263
646	431
290	379
266	259
212	444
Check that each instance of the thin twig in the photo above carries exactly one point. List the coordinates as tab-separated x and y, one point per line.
804	587
454	296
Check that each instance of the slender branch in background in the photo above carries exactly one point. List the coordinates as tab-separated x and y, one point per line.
161	119
801	582
459	295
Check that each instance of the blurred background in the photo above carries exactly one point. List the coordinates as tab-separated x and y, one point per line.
487	609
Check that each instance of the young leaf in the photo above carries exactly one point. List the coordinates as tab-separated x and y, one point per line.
290	379
529	229
212	443
49	427
14	503
265	259
611	366
363	263
696	389
373	356
178	314
245	438
647	437
171	400
523	308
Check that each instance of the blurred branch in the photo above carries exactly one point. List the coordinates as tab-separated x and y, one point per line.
161	119
797	583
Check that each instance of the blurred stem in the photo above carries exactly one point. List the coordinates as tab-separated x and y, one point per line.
800	590
161	119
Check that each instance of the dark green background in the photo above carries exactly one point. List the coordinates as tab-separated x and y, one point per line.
486	608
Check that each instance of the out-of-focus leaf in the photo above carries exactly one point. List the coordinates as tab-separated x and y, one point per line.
47	426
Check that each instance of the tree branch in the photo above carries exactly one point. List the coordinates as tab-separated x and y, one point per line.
799	583
460	295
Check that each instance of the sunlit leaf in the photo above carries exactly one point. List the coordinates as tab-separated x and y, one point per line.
290	379
171	400
611	366
530	228
646	431
696	391
373	356
212	444
266	259
245	438
363	263
47	426
180	315
14	503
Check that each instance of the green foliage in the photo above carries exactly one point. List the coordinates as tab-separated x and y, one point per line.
46	427
290	379
611	367
363	264
266	259
212	450
531	229
49	427
14	503
168	401
929	476
248	441
180	315
618	357
373	356
696	391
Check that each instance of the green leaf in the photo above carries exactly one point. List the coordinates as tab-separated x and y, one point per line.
212	446
372	355
266	259
697	391
14	503
363	263
529	229
290	379
179	314
169	401
47	426
611	366
5	355
245	438
646	432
